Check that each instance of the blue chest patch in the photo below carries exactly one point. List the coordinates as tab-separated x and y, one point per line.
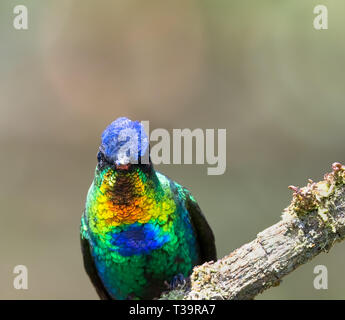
139	239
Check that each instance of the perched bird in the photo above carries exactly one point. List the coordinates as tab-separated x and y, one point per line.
139	229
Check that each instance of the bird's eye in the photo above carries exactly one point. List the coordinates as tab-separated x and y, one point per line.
100	156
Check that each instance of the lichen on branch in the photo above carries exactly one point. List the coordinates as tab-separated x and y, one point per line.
311	224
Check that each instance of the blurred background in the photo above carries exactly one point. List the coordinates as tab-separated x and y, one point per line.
258	69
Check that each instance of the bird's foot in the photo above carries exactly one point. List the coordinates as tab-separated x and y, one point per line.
177	281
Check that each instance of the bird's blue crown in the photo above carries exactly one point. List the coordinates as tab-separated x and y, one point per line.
124	141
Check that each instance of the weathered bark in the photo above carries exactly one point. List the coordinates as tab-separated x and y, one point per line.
313	222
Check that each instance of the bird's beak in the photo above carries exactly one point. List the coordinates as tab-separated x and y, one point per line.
122	166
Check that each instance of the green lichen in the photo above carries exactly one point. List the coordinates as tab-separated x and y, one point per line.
315	196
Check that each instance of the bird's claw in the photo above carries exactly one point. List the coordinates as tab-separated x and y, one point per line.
177	281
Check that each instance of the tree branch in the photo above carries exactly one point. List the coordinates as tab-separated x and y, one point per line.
313	222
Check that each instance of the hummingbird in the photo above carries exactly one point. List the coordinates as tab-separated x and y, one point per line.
139	230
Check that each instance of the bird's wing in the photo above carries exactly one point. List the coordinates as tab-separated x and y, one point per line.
91	270
204	233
